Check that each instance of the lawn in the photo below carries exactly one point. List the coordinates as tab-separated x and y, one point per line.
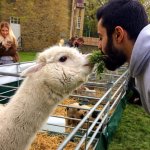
27	56
133	132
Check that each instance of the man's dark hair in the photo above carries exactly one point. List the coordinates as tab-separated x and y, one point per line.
129	14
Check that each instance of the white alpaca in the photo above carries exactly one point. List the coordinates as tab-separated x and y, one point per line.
2	106
59	70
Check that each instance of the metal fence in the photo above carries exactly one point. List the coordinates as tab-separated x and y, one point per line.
102	98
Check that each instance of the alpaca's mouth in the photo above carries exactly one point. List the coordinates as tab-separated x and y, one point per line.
86	65
89	65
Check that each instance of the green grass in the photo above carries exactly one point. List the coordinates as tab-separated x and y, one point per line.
27	56
133	132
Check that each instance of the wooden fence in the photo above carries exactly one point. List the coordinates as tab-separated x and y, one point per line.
90	41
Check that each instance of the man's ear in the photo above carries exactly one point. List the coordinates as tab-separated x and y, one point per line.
118	34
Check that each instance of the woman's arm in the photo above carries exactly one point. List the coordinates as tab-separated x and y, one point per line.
7	52
12	51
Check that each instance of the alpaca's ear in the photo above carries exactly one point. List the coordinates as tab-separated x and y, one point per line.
32	69
41	58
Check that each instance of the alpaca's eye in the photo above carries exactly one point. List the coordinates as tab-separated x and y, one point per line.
63	59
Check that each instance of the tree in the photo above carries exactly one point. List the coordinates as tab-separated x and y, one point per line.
146	4
90	21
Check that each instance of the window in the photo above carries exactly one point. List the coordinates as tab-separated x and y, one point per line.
15	20
78	22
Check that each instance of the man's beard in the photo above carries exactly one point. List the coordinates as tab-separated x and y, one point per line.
114	58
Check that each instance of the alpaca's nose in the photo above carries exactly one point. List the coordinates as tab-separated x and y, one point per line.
88	63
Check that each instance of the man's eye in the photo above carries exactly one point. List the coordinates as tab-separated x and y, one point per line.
63	59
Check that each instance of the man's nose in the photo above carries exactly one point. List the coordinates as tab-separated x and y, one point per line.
99	45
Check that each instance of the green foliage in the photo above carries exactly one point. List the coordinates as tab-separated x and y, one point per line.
97	59
90	20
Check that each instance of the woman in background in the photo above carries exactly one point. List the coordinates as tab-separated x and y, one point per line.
8	44
75	42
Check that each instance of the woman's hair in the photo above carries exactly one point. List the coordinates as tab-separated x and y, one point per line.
129	14
11	34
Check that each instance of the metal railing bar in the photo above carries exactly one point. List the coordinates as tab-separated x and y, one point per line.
95	84
8	91
93	136
4	96
117	91
94	123
7	86
61	105
10	74
3	99
116	102
95	133
88	97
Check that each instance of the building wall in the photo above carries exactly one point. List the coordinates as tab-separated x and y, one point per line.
43	22
79	13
